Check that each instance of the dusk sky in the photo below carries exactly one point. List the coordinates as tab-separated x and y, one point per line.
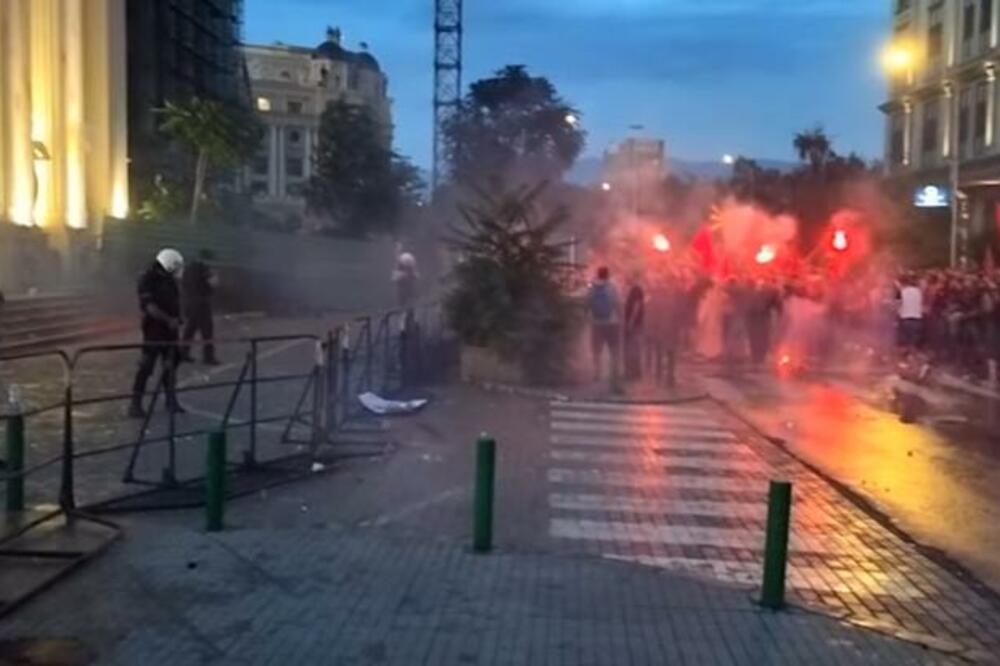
708	76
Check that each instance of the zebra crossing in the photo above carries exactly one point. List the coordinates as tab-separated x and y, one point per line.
670	482
673	487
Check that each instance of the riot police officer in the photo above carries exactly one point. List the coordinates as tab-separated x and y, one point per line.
199	283
160	304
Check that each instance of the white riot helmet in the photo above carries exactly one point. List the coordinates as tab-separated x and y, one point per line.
407	260
171	260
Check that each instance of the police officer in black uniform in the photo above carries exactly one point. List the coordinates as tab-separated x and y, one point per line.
160	304
199	282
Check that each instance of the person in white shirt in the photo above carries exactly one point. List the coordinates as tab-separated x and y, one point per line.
911	314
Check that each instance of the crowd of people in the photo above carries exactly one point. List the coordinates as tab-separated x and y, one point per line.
953	318
948	318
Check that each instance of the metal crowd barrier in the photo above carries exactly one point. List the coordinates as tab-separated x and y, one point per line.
388	353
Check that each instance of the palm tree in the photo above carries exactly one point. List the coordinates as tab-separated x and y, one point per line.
215	133
814	147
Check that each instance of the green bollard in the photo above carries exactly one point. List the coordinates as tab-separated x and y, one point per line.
779	509
15	463
486	454
215	482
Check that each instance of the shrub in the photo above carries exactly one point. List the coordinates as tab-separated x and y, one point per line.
510	290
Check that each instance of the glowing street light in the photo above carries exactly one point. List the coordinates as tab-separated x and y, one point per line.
571	119
898	58
606	186
728	160
661	243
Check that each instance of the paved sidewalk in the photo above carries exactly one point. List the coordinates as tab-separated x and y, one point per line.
321	596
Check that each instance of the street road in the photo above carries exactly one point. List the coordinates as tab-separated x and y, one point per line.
938	479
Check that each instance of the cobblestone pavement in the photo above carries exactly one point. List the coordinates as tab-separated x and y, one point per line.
324	596
684	488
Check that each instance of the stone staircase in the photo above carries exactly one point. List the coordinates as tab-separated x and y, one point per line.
50	320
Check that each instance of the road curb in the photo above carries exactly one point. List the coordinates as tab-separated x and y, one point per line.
962	573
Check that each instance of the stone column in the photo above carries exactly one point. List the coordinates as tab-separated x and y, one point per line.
73	114
46	119
272	167
907	132
991	98
118	108
17	99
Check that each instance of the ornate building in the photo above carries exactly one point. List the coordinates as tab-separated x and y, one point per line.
291	86
63	141
941	115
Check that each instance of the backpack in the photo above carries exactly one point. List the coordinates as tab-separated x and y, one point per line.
601	301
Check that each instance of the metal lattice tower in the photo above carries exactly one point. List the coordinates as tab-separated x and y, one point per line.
447	78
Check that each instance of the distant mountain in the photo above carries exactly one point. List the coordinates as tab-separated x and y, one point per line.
587	170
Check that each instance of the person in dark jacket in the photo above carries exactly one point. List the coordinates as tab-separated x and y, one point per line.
763	302
199	284
635	320
668	300
160	305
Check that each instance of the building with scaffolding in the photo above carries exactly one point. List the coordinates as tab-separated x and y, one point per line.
178	49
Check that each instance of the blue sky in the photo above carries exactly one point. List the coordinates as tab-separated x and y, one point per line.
709	76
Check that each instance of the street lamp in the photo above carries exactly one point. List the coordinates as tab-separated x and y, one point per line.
606	186
728	160
571	119
899	58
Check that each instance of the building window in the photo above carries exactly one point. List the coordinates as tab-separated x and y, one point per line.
261	165
285	74
963	121
295	190
968	21
353	78
294	107
263	104
294	137
929	136
258	188
896	140
980	117
985	15
902	6
935	34
294	167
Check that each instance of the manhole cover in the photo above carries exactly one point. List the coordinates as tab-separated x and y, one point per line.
44	652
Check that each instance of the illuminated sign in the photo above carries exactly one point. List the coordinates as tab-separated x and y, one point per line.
932	196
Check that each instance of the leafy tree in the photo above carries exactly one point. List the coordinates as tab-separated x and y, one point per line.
216	133
510	292
358	181
513	125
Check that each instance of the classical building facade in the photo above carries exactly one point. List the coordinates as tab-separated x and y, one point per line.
942	103
63	114
290	87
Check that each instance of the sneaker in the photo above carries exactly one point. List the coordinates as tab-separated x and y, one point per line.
176	408
135	411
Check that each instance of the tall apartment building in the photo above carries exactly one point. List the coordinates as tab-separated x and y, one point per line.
633	169
942	102
291	86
